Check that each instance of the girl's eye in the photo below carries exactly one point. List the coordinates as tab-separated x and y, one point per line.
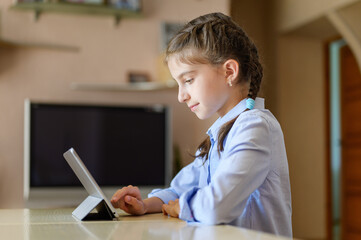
188	80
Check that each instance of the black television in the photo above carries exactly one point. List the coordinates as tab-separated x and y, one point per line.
120	145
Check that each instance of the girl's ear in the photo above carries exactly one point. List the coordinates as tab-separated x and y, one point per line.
231	68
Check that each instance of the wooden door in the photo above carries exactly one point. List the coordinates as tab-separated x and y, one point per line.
351	146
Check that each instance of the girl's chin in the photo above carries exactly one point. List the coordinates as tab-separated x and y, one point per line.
202	116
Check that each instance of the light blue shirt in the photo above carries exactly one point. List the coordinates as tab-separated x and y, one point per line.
247	185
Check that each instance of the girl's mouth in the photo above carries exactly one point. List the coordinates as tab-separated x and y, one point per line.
194	107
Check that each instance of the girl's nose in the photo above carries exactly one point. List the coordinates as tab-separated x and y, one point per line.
183	96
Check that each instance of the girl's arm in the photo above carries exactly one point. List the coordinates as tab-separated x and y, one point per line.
186	179
153	205
129	199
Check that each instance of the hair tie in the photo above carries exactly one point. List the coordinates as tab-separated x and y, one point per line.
250	103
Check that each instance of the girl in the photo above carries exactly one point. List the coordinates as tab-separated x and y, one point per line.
240	172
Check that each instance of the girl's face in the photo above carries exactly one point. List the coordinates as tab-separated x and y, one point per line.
203	88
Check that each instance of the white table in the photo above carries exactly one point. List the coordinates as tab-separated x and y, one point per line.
59	224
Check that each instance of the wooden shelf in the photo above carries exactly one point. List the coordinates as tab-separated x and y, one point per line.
14	44
40	7
125	87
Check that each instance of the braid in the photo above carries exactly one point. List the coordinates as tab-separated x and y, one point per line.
256	73
213	39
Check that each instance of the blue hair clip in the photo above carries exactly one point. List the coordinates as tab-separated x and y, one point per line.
250	103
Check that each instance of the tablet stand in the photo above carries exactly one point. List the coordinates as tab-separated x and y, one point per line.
93	208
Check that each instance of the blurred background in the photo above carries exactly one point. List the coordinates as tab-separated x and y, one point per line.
311	51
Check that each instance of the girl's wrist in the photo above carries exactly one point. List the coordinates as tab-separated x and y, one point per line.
152	205
145	206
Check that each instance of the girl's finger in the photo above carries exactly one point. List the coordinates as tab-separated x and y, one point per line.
132	201
164	209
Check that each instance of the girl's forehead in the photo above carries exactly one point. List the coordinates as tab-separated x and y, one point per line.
179	68
180	61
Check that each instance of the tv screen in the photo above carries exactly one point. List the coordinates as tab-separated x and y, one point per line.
120	145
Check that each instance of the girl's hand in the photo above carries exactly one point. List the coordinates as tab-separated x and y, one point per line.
172	208
129	200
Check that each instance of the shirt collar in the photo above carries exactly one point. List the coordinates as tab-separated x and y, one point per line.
234	112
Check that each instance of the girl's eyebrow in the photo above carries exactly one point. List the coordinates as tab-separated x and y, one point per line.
185	73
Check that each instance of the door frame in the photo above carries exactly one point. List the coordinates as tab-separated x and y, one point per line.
329	135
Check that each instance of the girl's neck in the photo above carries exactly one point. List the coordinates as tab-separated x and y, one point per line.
237	94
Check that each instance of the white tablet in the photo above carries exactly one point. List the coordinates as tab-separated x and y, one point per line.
96	201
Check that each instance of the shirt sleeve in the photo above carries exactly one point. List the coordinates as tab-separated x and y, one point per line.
186	179
243	167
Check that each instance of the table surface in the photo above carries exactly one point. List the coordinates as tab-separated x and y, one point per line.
59	224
